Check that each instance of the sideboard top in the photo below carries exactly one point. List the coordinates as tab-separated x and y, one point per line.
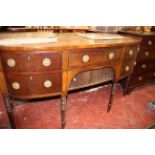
64	41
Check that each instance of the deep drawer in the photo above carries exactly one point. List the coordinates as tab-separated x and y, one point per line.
146	55
127	68
130	52
142	78
144	66
27	84
31	61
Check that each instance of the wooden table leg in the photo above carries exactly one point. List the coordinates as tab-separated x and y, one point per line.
9	106
111	96
63	111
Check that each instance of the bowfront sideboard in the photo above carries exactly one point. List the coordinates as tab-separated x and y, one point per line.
30	71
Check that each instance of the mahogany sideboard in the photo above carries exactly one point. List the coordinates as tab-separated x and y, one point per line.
40	70
144	70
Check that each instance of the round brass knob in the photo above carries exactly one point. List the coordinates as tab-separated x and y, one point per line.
46	62
111	55
74	79
28	57
150	42
85	58
11	62
131	52
16	85
144	66
134	63
48	83
140	78
1	113
31	78
127	68
147	53
138	49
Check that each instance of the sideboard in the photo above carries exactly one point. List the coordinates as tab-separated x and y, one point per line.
39	70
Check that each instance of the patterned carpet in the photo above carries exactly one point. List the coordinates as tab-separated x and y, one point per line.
87	110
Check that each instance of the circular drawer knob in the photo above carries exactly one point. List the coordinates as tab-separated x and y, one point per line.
111	55
11	62
1	113
135	63
46	62
16	85
131	52
150	42
144	66
74	79
140	78
147	53
48	83
127	68
85	58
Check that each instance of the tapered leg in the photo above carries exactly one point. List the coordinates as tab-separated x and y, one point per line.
111	96
127	89
63	111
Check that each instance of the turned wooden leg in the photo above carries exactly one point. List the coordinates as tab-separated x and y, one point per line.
111	96
63	111
127	90
9	105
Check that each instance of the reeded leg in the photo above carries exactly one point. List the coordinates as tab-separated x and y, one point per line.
111	96
63	111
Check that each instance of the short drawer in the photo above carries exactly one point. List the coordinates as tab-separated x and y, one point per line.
86	57
27	84
127	68
148	42
144	66
130	52
140	78
146	55
31	61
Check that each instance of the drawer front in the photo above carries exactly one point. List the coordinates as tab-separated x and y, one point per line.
142	78
31	61
146	55
34	84
130	52
148	43
144	66
85	57
127	68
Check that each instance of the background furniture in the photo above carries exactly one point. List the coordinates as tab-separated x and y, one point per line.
49	69
144	70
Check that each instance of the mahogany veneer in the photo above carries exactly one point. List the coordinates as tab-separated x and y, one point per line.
49	69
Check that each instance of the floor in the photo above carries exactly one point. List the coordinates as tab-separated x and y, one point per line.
87	109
